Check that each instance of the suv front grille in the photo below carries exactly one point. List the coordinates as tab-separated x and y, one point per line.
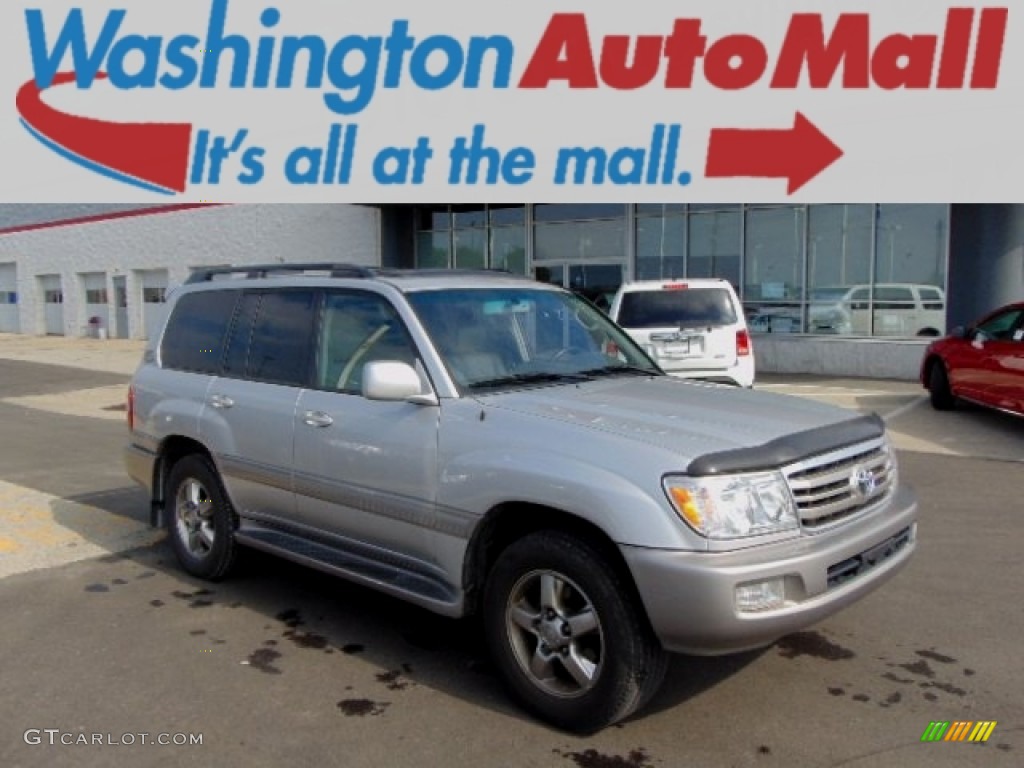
837	486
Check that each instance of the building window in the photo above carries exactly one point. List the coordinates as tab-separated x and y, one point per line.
433	238
877	270
714	248
578	211
433	249
96	296
660	241
911	244
53	296
154	295
819	269
508	239
508	249
8	297
585	232
469	238
773	267
839	246
472	237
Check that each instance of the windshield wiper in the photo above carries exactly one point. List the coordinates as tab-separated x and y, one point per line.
528	378
611	370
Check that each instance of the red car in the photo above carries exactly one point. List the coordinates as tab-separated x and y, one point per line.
983	364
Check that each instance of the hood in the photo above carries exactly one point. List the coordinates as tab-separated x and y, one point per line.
691	419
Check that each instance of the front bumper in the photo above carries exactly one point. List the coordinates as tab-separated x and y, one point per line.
690	597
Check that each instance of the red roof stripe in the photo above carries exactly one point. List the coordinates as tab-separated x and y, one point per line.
111	216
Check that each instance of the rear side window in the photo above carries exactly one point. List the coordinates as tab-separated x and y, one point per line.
678	308
281	341
859	298
887	297
236	359
932	298
196	331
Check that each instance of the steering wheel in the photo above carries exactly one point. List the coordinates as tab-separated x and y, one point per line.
357	357
563	354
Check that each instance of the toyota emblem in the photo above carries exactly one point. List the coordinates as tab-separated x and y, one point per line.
863	481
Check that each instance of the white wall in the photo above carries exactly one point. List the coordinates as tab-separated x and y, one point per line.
176	241
827	356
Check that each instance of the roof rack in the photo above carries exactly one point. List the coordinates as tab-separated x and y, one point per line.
252	271
446	271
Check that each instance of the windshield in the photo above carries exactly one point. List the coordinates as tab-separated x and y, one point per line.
502	337
690	308
829	294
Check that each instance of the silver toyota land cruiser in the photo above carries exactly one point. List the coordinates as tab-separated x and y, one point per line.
483	444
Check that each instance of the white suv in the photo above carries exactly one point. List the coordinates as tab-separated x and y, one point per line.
693	328
899	309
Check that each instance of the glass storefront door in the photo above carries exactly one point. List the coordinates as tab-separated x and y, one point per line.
596	282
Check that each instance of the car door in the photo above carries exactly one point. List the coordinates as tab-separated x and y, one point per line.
856	306
249	420
365	471
977	368
932	314
1005	368
895	311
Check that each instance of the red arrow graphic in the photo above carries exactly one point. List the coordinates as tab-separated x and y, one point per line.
155	153
799	153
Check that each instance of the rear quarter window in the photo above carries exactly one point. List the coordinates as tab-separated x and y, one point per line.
690	307
281	341
931	299
196	330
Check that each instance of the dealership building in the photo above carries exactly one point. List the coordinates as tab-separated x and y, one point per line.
838	289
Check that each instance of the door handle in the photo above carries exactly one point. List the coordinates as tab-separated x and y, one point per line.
221	401
317	419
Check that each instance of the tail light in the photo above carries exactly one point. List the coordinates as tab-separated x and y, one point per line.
130	408
742	344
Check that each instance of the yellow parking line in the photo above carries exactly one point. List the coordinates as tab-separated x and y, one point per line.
39	530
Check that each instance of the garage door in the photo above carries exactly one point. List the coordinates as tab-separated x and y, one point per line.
154	298
121	306
94	286
9	298
53	305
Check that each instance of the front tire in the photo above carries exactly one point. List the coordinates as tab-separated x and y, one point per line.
201	521
938	388
566	635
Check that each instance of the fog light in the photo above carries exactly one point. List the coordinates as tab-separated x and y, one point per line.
761	596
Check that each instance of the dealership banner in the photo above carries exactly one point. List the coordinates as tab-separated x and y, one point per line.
468	101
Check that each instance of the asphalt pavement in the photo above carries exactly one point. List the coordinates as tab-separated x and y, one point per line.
104	638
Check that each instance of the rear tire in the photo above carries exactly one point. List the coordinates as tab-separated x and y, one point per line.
201	522
938	387
566	634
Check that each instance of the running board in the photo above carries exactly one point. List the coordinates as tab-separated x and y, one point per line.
425	590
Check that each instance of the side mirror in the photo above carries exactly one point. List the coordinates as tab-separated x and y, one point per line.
393	381
959	332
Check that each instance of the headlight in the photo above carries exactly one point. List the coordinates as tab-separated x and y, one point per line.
894	462
734	506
